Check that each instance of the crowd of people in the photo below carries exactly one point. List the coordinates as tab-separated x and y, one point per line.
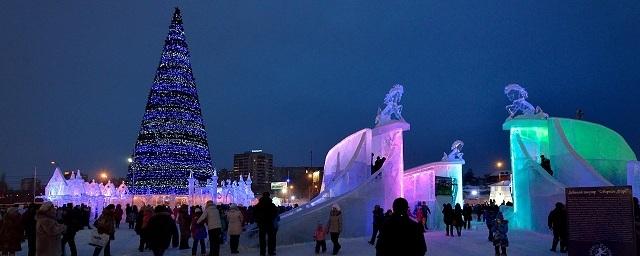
48	230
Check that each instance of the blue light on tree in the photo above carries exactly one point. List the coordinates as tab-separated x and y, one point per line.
172	141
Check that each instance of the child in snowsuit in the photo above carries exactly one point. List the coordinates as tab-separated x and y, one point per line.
499	229
319	237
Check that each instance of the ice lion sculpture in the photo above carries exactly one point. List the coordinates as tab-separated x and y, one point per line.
392	109
519	104
456	152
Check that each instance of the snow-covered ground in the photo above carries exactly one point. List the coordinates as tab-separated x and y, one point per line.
473	242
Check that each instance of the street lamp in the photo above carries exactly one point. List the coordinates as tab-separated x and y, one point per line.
130	160
499	164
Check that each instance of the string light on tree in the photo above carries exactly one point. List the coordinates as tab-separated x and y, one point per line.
172	141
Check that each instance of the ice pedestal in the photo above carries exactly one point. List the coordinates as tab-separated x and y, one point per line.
387	141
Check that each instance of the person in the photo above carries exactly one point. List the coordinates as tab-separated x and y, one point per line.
447	215
579	114
425	212
29	224
334	227
105	224
160	229
235	219
212	217
378	219
72	218
546	164
11	232
198	232
458	222
467	213
419	214
175	212
319	237
184	221
265	214
48	231
142	221
490	216
117	215
132	217
86	214
400	235
478	210
557	222
500	239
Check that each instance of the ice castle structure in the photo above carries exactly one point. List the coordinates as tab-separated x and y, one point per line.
366	169
582	154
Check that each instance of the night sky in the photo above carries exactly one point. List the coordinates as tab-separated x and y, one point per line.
289	77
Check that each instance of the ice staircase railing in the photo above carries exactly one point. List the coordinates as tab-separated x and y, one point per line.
345	171
565	142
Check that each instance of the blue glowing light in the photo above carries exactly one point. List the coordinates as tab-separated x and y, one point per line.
172	140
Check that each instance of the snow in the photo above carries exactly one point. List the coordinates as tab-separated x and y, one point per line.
472	243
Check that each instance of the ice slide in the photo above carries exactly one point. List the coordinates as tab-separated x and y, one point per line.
582	154
348	182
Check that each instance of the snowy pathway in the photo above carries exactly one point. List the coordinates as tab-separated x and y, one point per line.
472	243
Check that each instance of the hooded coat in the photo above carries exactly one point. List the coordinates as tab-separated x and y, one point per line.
235	218
335	221
48	232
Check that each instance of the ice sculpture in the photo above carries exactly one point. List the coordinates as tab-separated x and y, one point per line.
456	152
392	109
582	154
518	96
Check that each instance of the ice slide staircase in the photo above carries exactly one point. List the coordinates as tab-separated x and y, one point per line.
535	191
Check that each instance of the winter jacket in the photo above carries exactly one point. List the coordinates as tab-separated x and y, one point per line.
335	222
265	213
184	222
106	224
72	218
118	214
378	217
198	230
48	233
447	214
400	235
212	216
160	229
457	217
235	218
499	229
557	221
319	235
11	231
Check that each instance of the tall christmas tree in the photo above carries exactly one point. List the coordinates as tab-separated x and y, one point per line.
172	141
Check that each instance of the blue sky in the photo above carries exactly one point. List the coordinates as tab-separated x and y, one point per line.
294	76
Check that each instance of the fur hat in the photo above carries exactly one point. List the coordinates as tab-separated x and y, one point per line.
45	207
